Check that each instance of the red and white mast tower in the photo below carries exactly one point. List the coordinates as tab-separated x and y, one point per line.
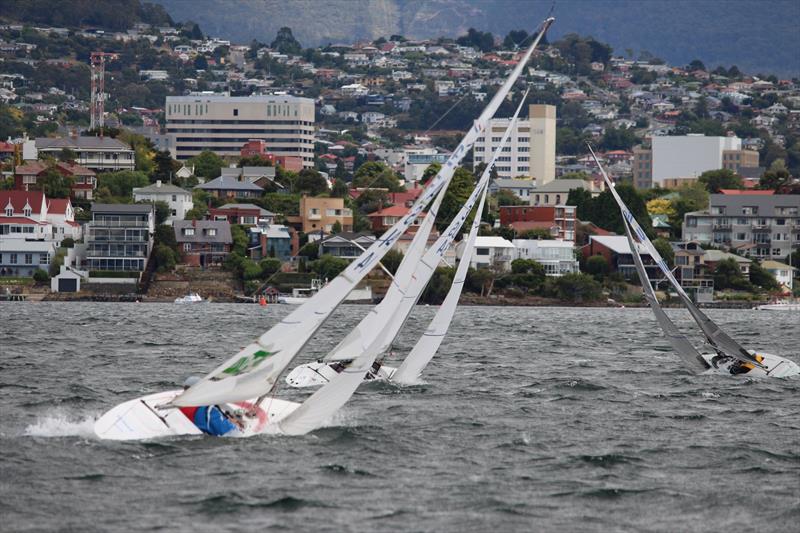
98	69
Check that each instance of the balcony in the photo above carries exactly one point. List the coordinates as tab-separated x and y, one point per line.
761	227
722	227
315	217
100	223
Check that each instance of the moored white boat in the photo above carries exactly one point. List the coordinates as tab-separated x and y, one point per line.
779	306
190	298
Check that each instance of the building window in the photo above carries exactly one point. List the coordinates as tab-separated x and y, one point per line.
9	212
188	231
235	112
28	259
187	247
174	197
13	259
482	251
212	232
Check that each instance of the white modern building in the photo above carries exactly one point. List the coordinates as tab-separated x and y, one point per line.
223	124
531	150
490	252
557	257
179	200
685	157
419	159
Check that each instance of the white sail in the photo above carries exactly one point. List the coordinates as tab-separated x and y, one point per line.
321	405
370	325
426	347
718	338
254	370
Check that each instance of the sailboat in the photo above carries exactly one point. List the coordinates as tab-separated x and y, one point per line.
246	383
726	356
405	290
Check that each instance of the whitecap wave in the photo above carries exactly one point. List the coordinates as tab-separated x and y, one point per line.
62	425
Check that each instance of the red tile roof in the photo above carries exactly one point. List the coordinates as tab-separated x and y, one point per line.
20	198
734	192
19	220
58	206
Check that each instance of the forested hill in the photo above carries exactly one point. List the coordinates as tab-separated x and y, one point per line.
102	14
755	35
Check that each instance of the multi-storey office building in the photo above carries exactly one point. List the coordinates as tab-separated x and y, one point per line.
119	237
756	223
224	124
531	149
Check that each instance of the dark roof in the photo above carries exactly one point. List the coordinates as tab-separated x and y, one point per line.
223	233
224	183
349	236
122	208
85	143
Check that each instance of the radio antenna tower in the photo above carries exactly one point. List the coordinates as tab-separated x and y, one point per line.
98	69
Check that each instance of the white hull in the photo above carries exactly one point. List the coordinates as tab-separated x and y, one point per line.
319	373
775	367
778	307
192	298
292	300
141	418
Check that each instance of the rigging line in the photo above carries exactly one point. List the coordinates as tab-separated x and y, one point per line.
438	120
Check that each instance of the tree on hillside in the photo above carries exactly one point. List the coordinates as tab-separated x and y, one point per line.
618	139
310	181
285	43
597	266
54	184
430	172
165	166
460	188
714	180
515	39
728	275
207	164
777	178
372	200
690	198
504	197
122	182
483	41
604	211
376	175
763	278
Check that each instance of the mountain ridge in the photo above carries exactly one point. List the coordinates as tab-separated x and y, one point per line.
755	36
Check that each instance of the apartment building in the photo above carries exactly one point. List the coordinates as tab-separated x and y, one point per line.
758	224
119	237
101	154
318	215
556	256
224	124
675	160
531	149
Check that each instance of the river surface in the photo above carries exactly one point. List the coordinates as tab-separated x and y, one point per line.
528	419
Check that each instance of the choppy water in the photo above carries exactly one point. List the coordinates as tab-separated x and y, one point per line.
530	419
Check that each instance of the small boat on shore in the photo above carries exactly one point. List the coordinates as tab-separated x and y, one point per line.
190	298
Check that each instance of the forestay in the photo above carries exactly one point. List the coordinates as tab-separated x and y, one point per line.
321	405
716	337
254	370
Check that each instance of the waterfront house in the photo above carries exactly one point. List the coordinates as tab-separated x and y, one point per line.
179	200
203	243
119	237
346	245
489	252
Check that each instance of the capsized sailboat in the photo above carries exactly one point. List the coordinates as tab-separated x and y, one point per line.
727	355
410	281
246	382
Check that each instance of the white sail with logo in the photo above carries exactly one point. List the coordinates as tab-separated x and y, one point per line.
254	370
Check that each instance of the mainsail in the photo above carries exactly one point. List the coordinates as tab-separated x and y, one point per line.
377	326
716	337
254	370
426	347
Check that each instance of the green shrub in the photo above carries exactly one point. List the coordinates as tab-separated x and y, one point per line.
40	276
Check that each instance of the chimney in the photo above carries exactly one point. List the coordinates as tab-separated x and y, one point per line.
158	183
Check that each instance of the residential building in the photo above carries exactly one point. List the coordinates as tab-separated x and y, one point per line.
531	149
557	191
101	154
387	217
223	124
225	187
119	237
559	220
20	257
713	257
346	245
272	240
203	243
244	214
490	252
520	188
784	274
258	148
320	215
31	215
692	272
84	181
179	200
248	174
677	157
758	224
419	159
557	257
617	252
